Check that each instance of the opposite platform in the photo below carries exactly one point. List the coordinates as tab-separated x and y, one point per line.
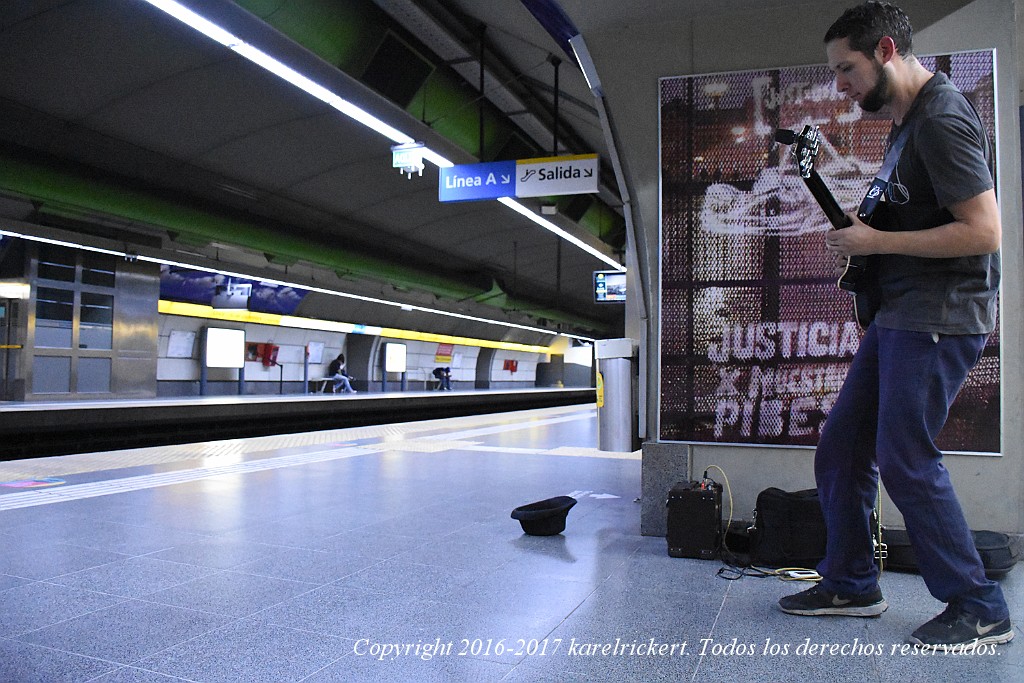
30	430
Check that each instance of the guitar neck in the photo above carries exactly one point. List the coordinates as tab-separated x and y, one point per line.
836	216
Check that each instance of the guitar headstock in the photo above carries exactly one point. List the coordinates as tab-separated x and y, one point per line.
805	147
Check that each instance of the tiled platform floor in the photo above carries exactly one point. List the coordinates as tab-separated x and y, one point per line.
388	554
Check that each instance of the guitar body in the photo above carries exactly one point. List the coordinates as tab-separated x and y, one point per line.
856	275
861	280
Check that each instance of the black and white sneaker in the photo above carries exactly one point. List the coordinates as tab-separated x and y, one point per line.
816	602
956	629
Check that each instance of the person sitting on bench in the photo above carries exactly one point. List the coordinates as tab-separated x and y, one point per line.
444	378
336	371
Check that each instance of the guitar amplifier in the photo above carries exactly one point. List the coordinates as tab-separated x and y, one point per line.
694	519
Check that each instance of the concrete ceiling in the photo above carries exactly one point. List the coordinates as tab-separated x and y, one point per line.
117	105
121	122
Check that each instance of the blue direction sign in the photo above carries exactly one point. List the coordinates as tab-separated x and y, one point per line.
470	182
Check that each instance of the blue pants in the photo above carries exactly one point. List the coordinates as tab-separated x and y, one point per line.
342	381
894	401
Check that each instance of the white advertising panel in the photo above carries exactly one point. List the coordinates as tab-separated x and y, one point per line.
224	348
394	358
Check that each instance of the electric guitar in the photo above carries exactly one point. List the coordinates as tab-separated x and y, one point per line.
858	278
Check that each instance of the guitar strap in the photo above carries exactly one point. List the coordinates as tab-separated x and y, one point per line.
878	185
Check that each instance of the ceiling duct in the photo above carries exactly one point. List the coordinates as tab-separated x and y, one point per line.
576	205
396	70
467	64
516	147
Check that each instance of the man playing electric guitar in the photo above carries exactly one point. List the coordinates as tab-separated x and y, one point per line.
938	276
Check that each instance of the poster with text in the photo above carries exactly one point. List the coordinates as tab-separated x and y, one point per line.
756	337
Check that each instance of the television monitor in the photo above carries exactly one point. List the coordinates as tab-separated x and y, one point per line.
224	348
609	286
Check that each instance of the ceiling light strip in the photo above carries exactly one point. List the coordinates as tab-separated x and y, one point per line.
548	225
187	16
436	159
271	281
262	59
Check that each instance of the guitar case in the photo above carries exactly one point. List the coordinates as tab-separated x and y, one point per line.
999	553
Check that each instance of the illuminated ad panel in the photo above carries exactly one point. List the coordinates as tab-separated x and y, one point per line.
204	287
756	337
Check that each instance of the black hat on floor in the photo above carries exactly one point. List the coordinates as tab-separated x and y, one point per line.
545	517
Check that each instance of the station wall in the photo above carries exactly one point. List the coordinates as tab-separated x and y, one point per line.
179	376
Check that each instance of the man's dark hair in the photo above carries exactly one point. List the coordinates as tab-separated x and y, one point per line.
868	23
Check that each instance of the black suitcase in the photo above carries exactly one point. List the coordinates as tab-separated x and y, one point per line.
999	553
694	520
788	529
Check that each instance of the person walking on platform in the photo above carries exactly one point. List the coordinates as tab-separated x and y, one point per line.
336	371
936	242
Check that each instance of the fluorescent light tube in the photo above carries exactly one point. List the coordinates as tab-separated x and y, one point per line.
579	48
548	225
187	16
323	94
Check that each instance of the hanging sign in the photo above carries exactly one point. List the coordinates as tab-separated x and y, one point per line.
575	174
470	182
550	176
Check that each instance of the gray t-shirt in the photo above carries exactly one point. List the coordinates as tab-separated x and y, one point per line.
946	160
